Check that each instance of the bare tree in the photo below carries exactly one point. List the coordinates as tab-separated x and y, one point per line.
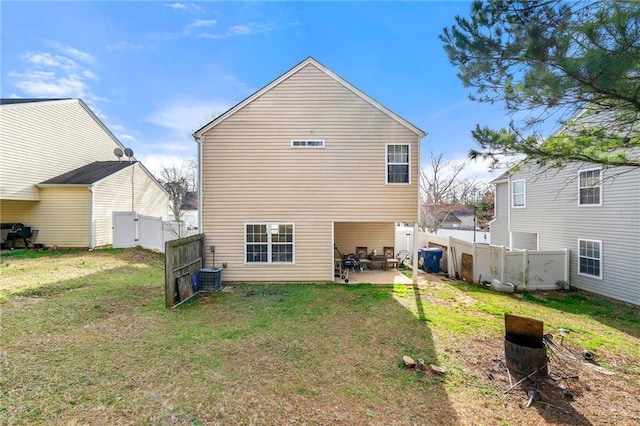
442	191
179	181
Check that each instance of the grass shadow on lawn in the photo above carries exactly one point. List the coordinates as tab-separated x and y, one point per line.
104	350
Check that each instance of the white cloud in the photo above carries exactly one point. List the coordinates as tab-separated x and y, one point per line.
185	116
175	6
79	55
45	59
248	29
240	30
196	25
199	23
56	74
156	162
184	6
125	46
478	169
49	84
125	137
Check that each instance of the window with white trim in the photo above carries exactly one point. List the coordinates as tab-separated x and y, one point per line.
269	243
590	258
398	169
518	193
298	143
590	187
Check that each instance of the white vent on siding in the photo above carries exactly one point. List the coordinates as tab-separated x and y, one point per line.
317	143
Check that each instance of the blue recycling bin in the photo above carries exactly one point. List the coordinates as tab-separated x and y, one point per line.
431	259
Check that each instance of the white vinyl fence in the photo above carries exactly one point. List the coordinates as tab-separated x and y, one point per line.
131	229
526	269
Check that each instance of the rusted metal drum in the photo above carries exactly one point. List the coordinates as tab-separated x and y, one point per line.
525	355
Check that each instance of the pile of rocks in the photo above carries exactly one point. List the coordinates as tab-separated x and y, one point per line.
420	365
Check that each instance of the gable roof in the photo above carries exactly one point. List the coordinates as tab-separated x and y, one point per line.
309	61
89	174
502	178
12	101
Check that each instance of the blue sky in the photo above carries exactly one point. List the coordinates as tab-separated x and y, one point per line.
156	71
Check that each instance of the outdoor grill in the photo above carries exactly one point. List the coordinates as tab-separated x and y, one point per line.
348	264
15	231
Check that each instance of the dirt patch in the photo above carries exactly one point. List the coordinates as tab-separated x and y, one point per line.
575	392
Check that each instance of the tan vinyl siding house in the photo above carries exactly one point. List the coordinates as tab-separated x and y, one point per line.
308	151
44	142
601	229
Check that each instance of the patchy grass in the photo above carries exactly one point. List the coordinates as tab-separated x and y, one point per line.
86	339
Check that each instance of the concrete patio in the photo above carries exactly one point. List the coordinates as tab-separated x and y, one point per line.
389	276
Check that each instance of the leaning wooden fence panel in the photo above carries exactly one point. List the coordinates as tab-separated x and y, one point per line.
183	258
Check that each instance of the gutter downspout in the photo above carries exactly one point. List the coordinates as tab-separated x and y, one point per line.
509	201
92	225
414	272
199	142
416	225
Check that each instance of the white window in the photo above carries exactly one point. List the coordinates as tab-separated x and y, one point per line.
398	161
269	243
590	258
298	143
518	195
590	188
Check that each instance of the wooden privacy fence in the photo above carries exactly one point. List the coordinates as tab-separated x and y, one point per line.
183	258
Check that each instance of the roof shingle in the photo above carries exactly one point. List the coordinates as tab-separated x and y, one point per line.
89	174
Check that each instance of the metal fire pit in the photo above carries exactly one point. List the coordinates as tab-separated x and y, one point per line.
524	349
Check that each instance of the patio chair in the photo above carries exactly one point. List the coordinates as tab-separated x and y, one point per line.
390	255
363	257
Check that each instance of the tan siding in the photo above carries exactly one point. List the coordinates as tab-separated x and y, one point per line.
251	173
47	139
313	254
348	236
248	157
12	211
63	217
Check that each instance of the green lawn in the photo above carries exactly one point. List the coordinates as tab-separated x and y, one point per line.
86	340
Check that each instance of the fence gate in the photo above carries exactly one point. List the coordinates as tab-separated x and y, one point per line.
124	230
151	236
131	230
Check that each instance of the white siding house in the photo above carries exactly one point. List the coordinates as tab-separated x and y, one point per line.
592	211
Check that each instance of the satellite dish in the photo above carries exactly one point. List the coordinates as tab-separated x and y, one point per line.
118	153
128	152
